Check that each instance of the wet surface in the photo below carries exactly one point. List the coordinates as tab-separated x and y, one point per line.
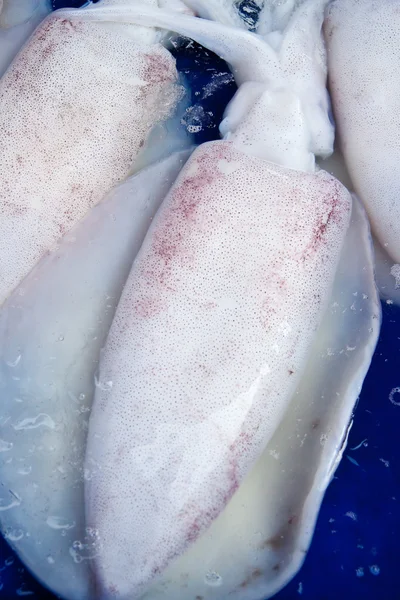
354	549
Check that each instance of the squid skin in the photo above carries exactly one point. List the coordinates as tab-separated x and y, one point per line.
76	105
387	272
52	329
259	541
364	68
216	321
208	344
18	20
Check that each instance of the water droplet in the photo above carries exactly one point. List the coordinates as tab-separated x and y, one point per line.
82	396
374	569
213	579
41	420
24	470
5	446
75	556
23	591
395	272
61	338
394	391
59	523
13	363
50	560
352	515
16	501
9	561
14	535
103	385
300	588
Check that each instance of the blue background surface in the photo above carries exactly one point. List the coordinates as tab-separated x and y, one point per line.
354	552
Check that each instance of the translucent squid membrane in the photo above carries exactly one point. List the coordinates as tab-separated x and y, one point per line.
387	272
259	541
15	12
52	329
18	20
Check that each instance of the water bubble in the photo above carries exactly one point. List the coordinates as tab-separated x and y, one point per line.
59	523
5	446
14	535
22	591
352	515
394	391
9	561
82	396
24	470
75	556
13	363
61	338
300	588
41	420
16	501
50	560
395	272
360	572
103	385
213	579
374	570
85	551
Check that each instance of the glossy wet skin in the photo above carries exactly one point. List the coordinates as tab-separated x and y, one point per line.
170	535
63	148
363	75
252	579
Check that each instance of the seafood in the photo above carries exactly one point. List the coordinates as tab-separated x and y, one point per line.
216	323
71	126
52	328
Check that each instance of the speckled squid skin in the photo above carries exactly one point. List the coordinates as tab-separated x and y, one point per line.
209	342
364	67
75	108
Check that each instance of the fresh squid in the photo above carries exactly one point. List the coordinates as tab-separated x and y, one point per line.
259	541
364	67
52	328
216	326
18	20
71	126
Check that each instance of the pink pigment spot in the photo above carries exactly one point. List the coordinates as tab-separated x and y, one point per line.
333	214
166	244
147	307
48	50
158	69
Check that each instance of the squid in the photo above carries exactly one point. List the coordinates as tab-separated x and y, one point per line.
225	313
52	328
18	19
363	68
71	127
